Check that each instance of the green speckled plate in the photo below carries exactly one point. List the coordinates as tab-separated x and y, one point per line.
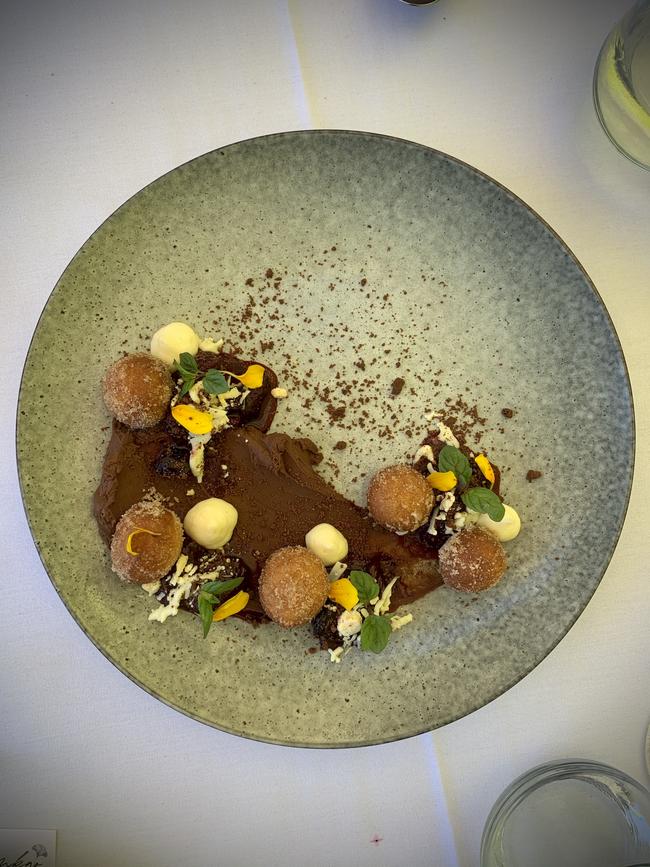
389	260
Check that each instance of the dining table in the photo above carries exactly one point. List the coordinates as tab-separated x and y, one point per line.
97	101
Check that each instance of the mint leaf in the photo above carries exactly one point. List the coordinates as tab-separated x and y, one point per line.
186	365
188	369
365	585
375	633
187	384
209	599
451	458
218	588
206	609
484	500
214	382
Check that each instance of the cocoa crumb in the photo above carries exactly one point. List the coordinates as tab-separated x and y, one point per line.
249	282
336	413
531	475
507	412
269	273
341	444
363	281
397	386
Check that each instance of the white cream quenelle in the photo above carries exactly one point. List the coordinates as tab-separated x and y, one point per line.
505	530
211	522
171	340
327	543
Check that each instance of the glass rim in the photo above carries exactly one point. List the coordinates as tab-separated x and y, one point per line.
540	775
596	95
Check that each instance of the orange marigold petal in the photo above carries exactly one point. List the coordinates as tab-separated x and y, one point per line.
344	592
231	606
194	420
252	377
485	467
442	481
130	537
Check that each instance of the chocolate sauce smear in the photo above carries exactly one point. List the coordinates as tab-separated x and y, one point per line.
270	478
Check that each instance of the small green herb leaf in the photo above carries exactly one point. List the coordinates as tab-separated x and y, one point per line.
214	382
365	585
186	365
375	633
206	609
484	500
209	599
451	458
218	588
188	369
187	384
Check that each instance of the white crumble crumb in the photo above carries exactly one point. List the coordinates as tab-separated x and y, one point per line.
446	435
349	623
459	520
399	620
173	601
279	393
209	345
181	563
423	452
382	606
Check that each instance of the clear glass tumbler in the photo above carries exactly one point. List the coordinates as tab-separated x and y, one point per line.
622	84
570	813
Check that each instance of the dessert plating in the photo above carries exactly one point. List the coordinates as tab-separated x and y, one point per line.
190	451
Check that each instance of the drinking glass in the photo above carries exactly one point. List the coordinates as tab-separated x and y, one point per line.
570	813
622	84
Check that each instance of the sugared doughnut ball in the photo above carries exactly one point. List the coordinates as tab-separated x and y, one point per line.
137	390
472	560
400	498
146	543
293	586
171	340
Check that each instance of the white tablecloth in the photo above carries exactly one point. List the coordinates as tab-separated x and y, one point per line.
98	99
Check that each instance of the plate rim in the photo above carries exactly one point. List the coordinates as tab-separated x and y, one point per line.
299	132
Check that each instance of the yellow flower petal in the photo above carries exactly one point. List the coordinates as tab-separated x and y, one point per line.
485	467
251	378
231	606
344	592
131	536
442	481
194	420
